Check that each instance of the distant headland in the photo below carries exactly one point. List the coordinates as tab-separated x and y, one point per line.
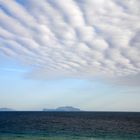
6	109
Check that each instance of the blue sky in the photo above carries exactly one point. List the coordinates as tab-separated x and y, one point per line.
77	53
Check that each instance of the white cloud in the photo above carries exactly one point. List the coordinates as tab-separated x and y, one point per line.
77	38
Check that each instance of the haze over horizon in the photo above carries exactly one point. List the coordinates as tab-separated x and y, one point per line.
80	53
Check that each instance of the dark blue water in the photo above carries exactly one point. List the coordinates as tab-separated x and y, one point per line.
69	125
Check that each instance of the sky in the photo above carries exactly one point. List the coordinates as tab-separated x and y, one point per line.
81	53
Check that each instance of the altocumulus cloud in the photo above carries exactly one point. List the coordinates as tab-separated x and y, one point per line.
73	38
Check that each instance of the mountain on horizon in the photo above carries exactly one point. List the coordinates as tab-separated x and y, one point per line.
63	108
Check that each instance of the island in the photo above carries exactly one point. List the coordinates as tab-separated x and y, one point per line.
64	109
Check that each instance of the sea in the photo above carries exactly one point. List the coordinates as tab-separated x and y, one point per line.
69	126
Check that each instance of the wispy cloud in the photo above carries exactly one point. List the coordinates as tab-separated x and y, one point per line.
77	38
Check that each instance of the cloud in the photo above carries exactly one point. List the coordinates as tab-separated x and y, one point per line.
77	38
130	80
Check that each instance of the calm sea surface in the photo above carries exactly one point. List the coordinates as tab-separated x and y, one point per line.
69	126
